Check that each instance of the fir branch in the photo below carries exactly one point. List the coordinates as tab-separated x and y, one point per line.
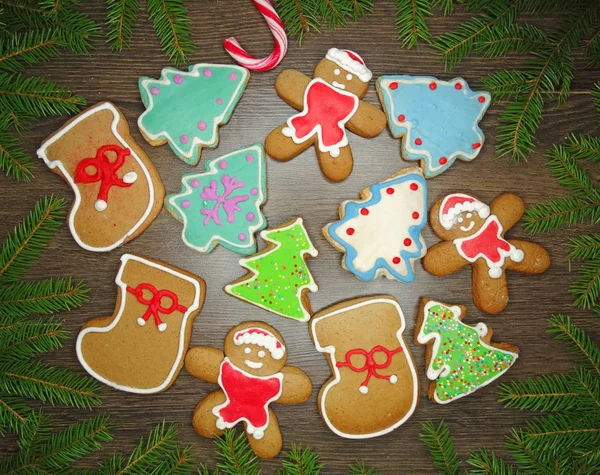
566	171
410	21
298	16
178	461
447	6
520	39
554	213
587	286
44	297
507	84
485	463
171	23
563	431
37	380
13	413
27	48
75	30
120	18
29	337
336	13
33	433
567	67
584	246
440	446
595	92
359	468
592	51
300	461
553	392
589	386
24	245
532	461
14	161
584	147
236	456
563	329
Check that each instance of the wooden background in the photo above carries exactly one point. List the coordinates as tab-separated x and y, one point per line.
297	188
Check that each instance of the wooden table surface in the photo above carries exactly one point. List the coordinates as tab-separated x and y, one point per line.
297	188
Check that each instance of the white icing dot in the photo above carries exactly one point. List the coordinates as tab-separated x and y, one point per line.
336	71
259	434
162	327
335	153
247	350
393	379
287	131
261	354
100	205
517	255
130	177
141	322
363	389
482	329
460	220
221	424
495	272
469	215
349	77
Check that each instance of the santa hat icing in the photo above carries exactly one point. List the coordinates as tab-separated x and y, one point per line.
351	62
260	337
457	203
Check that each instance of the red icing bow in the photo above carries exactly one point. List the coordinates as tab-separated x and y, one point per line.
154	304
370	365
106	172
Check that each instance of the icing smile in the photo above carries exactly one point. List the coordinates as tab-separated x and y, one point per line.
467	228
339	85
253	364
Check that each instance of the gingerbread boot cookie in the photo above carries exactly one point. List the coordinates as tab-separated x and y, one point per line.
329	103
374	388
473	233
141	347
252	373
118	192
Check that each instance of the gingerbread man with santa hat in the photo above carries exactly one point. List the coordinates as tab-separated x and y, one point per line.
473	233
330	103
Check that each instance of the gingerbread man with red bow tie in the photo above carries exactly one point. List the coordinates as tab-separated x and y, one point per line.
473	233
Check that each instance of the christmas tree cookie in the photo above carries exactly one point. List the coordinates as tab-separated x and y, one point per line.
186	108
278	277
438	120
222	204
381	233
460	358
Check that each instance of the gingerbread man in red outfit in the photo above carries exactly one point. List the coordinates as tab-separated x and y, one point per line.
329	103
252	374
473	233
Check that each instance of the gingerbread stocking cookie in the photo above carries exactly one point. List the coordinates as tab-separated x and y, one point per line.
141	347
473	233
252	374
118	192
374	388
330	103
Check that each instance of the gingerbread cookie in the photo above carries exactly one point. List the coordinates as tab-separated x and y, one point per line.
374	388
278	278
473	233
185	109
222	204
141	347
381	233
252	374
438	121
460	358
118	192
330	103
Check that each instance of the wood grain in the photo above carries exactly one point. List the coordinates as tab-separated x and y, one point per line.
297	188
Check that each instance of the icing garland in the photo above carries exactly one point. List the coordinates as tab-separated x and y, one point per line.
370	366
155	304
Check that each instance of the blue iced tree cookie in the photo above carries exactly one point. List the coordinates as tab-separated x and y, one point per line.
185	109
222	204
438	120
380	234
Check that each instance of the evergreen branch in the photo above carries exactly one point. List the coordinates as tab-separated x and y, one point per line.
359	468
13	413
554	213
27	48
440	446
589	386
171	23
507	85
566	171
337	12
558	431
595	92
120	18
75	30
513	38
584	147
592	51
546	393
298	16
410	21
24	245
567	68
447	6
584	246
14	161
485	463
300	461
28	338
45	297
236	456
532	461
587	286
35	432
563	329
36	380
179	461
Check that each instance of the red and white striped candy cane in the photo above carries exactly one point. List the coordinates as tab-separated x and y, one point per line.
276	26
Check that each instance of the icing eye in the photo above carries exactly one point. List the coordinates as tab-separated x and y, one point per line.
460	220
247	350
261	354
336	71
349	77
469	215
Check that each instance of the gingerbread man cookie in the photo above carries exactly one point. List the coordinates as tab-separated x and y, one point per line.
252	374
473	233
329	103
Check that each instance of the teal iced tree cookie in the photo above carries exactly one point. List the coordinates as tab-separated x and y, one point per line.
222	204
185	109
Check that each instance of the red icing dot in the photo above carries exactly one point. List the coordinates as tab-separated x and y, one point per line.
396	260
350	231
481	99
443	161
414	186
415	215
418	141
432	86
401	118
389	191
476	146
393	86
407	242
364	212
458	86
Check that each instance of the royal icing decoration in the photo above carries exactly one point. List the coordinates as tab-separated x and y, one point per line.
461	362
453	205
260	337
248	399
326	111
381	233
222	204
186	108
351	62
155	304
370	365
241	56
279	276
438	120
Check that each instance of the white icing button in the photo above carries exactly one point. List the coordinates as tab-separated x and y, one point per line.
363	389
495	272
482	329
335	153
517	255
469	215
393	379
130	177
336	71
287	131
221	424
349	77
141	322
247	351
162	327
261	354
259	434
100	205
460	220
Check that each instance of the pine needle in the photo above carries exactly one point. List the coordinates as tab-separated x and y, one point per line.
596	100
533	461
23	246
235	455
27	48
300	461
23	339
555	392
583	247
584	147
563	431
13	414
566	171
447	6
75	30
554	213
485	463
519	39
120	18
299	17
410	21
563	329
359	468
14	161
587	286
440	446
171	23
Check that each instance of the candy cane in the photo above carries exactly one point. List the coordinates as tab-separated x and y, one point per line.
276	26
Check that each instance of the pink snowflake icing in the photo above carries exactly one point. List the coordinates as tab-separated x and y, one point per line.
230	205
